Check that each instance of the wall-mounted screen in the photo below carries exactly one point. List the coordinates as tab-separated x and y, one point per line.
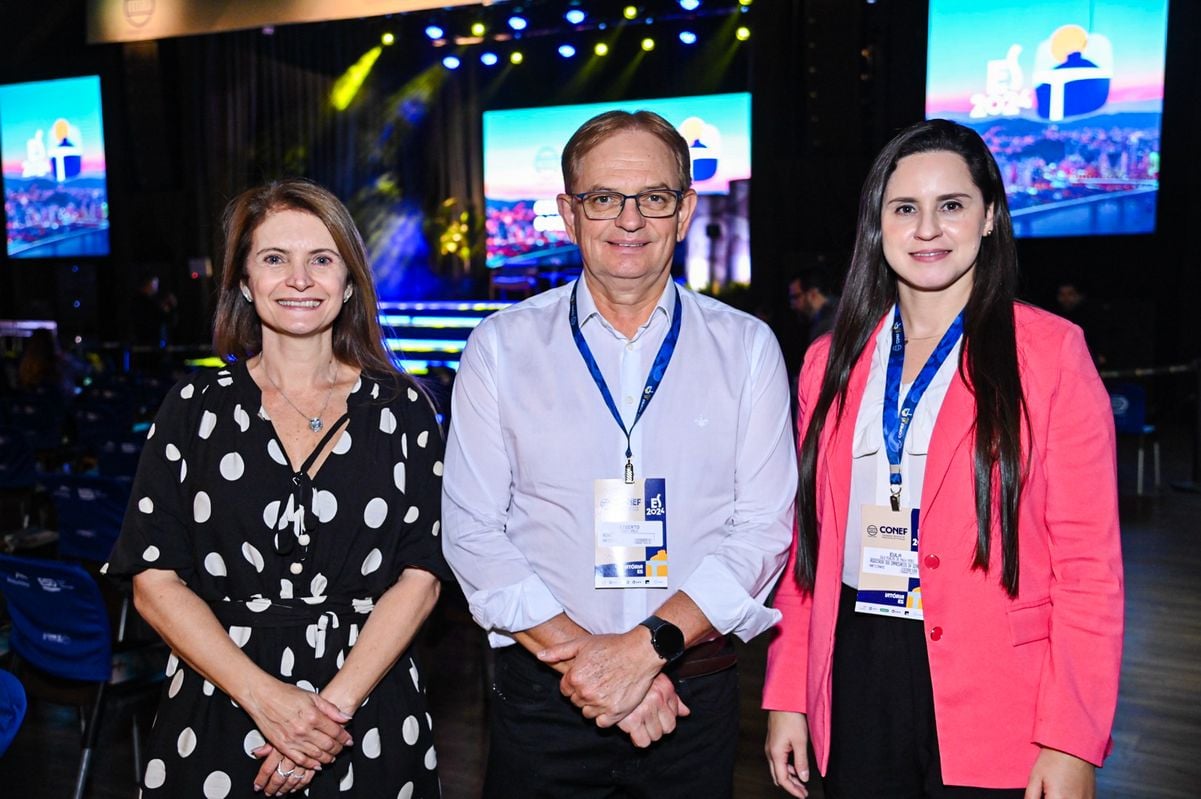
522	176
55	189
1069	96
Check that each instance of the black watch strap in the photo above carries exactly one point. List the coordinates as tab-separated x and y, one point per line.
666	638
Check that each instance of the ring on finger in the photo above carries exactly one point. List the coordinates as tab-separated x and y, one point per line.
287	773
296	774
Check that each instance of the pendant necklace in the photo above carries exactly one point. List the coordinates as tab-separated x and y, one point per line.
315	423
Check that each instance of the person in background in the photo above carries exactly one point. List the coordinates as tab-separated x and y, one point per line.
1093	319
44	367
151	316
282	534
812	297
953	608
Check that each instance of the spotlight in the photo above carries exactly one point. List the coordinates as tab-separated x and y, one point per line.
517	23
648	44
451	62
687	37
348	83
743	33
566	50
387	38
516	57
601	48
575	16
745	3
434	32
690	5
488	59
478	29
630	12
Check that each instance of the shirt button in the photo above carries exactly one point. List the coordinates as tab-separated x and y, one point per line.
629	348
629	400
932	561
296	568
304	540
935	633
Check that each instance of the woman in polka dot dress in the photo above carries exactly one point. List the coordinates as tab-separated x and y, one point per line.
283	531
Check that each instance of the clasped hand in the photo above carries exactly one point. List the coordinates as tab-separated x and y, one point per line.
303	731
616	680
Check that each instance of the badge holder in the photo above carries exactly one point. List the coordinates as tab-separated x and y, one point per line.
631	533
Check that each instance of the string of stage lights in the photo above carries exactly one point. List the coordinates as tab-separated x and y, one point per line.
490	35
595	28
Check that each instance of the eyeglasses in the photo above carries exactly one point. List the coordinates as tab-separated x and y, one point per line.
653	204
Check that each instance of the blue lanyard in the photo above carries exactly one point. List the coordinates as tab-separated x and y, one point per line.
652	380
896	426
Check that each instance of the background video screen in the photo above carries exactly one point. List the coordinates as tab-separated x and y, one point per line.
1069	96
522	176
55	189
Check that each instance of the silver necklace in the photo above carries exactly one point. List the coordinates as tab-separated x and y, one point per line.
315	423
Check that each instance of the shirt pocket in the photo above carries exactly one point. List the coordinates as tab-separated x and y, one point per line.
1030	623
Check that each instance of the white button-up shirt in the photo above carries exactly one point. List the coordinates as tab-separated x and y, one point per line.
530	434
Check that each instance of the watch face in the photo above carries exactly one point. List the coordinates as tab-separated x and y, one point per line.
668	641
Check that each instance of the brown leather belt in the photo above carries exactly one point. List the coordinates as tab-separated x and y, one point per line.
704	659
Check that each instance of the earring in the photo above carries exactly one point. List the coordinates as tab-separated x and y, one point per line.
346	295
246	294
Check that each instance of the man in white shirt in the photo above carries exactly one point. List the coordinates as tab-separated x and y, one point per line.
618	493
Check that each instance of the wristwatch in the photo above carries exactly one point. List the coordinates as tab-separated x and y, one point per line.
666	638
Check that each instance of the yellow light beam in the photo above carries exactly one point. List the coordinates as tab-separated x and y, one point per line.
349	83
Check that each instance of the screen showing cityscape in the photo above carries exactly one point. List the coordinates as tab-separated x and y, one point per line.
522	177
55	186
1069	96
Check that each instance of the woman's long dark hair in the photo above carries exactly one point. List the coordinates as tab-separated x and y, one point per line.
988	359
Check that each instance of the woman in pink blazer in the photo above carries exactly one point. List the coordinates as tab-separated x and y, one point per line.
952	612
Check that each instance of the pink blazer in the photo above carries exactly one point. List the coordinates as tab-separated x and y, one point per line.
1008	674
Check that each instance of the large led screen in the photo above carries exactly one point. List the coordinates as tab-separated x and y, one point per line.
522	177
1069	96
55	190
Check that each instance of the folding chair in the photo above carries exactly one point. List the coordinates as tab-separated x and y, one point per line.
12	709
18	475
118	455
62	645
1129	402
89	513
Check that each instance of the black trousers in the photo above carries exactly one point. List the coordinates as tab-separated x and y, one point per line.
883	741
542	746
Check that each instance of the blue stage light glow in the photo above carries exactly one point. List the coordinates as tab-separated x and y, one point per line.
566	50
517	23
434	32
690	5
575	16
687	37
489	59
451	62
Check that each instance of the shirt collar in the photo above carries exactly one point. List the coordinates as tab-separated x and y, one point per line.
586	308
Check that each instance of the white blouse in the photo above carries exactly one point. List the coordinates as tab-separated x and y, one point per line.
869	464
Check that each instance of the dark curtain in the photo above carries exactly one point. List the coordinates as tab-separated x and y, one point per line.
404	155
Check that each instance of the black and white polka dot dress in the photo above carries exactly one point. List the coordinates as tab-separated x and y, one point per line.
215	501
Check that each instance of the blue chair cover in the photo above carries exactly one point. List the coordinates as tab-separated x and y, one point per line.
90	511
1129	402
59	621
12	708
118	456
39	417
